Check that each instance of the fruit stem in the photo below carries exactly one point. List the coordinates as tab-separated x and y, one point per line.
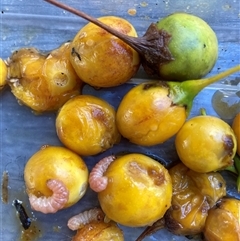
183	93
152	46
160	224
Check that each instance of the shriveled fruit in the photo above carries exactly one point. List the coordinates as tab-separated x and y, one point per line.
206	143
236	129
223	221
86	125
43	82
138	191
3	74
193	196
55	163
101	59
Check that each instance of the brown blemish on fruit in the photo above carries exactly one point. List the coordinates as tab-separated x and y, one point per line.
228	144
99	115
157	177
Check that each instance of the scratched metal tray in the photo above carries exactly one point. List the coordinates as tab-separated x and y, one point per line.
36	23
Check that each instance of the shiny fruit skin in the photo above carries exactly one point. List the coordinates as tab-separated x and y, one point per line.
86	125
139	191
193	195
43	82
55	162
193	45
146	115
3	74
223	221
99	231
101	59
206	143
236	129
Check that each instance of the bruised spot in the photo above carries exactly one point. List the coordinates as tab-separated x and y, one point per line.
228	144
157	177
99	115
156	84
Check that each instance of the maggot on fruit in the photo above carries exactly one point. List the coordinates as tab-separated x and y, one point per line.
135	189
179	47
55	178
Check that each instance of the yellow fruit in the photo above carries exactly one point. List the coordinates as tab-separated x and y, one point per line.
206	143
147	116
223	221
55	162
3	74
99	231
43	82
86	125
139	191
101	59
236	129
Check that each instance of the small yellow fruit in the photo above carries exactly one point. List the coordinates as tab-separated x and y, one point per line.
139	191
86	125
206	143
55	162
223	221
101	59
236	130
3	74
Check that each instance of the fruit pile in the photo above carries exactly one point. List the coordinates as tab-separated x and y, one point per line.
133	189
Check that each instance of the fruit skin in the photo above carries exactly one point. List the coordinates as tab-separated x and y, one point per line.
3	74
55	162
101	59
193	195
99	231
86	125
43	82
193	45
139	190
236	129
206	143
223	221
146	115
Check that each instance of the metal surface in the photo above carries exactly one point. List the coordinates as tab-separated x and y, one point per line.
39	24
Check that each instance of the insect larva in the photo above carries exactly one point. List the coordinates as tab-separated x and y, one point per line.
97	181
78	221
53	203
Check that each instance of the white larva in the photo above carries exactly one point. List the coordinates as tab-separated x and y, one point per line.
53	203
78	221
97	180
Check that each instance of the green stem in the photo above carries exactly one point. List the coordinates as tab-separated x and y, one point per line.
183	93
237	163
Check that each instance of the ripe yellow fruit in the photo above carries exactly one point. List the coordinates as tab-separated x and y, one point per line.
227	210
206	143
101	59
86	125
236	129
59	163
139	190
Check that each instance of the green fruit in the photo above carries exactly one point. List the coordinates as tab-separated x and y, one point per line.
193	45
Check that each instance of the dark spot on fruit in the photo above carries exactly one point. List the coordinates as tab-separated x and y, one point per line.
157	177
228	144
